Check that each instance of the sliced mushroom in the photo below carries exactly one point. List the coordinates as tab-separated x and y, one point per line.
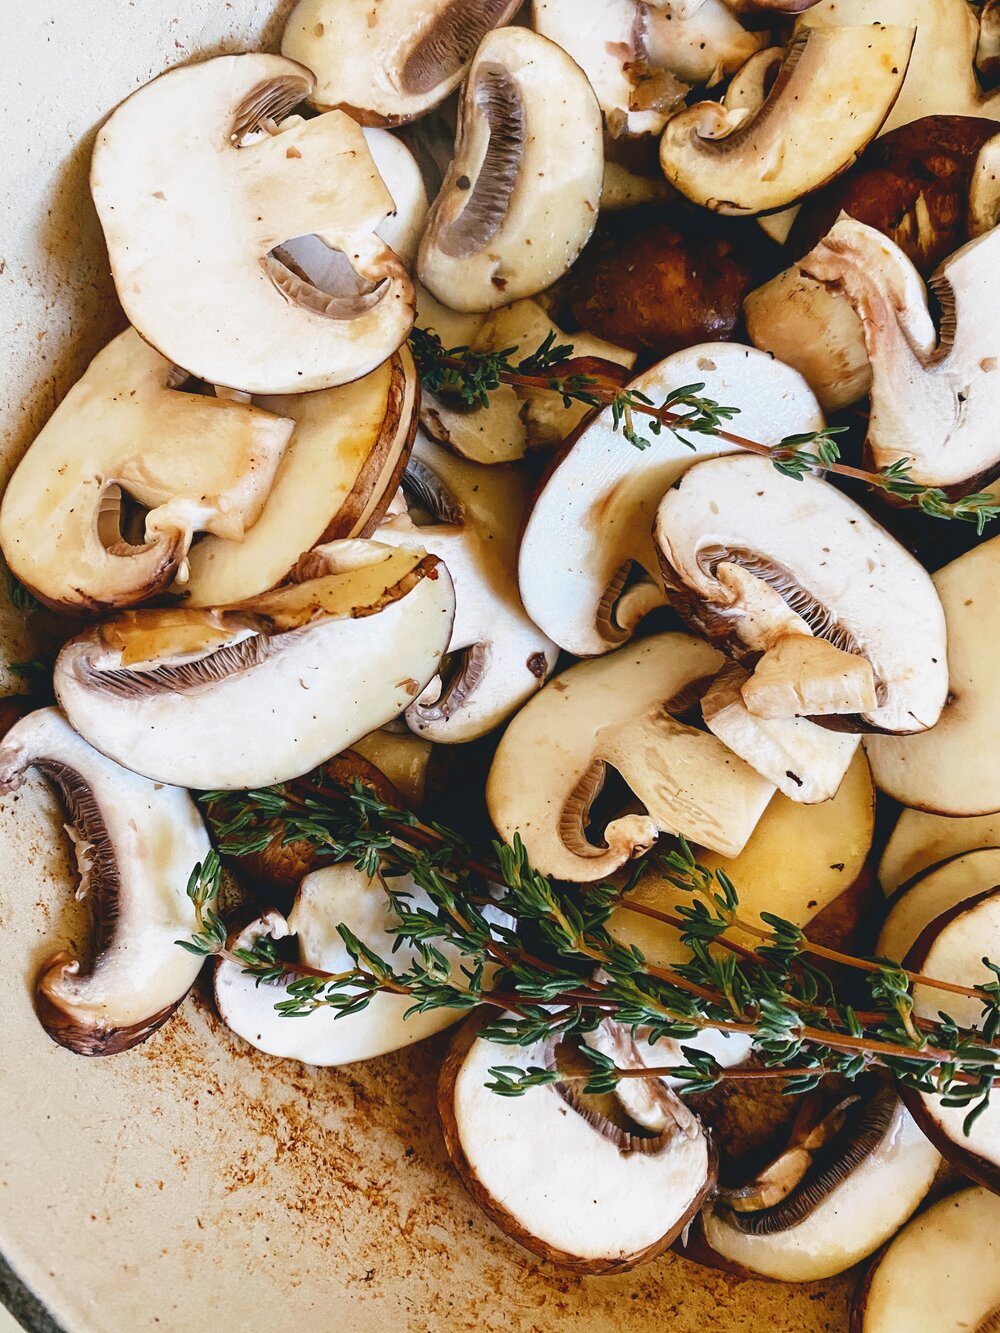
920	842
561	1178
515	420
830	98
804	761
388	63
830	565
259	692
552	761
801	676
931	397
521	196
195	221
659	290
338	475
328	898
587	564
637	1049
988	46
956	947
860	1189
934	893
124	434
136	843
403	758
952	770
941	1272
499	657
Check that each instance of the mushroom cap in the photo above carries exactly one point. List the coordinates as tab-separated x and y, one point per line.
265	690
932	398
550	764
389	63
197	464
920	841
587	563
830	99
504	657
339	473
808	550
136	843
931	895
520	199
336	895
549	1177
952	769
941	1271
193	220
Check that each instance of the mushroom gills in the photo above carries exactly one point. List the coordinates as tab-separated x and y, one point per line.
135	843
450	43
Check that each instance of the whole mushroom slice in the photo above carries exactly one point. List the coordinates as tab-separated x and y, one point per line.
932	895
616	711
956	947
921	841
136	843
858	1190
521	196
259	692
388	63
830	99
195	221
806	762
952	770
587	564
499	657
932	395
941	1272
336	479
124	433
743	547
328	898
581	1186
515	420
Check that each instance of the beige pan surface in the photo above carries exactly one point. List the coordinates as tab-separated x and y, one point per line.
193	1184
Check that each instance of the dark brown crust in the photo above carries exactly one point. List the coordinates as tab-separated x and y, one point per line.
84	1038
459	1049
982	1172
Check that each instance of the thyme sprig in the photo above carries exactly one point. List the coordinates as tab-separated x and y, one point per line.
472	376
542	956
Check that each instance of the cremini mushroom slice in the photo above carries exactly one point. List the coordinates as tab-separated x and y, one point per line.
587	565
830	98
522	193
336	479
803	676
934	893
552	762
921	841
328	898
800	547
124	433
941	1271
858	1191
261	691
953	770
515	420
136	843
499	658
574	1182
195	221
932	396
957	947
389	62
804	761
641	58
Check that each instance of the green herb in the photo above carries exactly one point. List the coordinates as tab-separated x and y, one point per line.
574	973
473	376
20	598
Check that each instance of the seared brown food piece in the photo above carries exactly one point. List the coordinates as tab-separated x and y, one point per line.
660	290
